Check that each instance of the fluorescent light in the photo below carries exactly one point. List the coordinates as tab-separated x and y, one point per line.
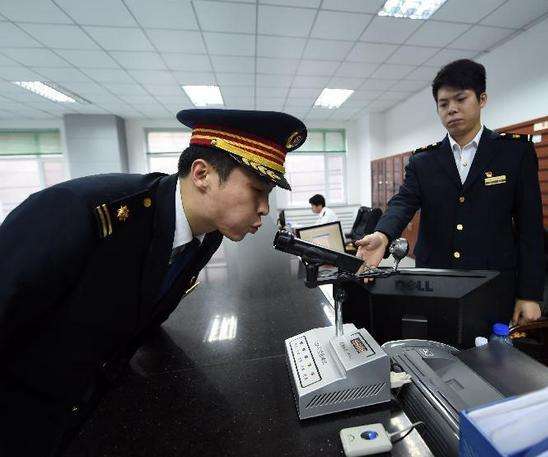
204	95
412	9
332	98
51	91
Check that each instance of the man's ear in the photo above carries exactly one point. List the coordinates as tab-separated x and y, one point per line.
200	174
483	99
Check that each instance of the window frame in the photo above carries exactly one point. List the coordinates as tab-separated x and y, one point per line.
324	150
149	154
35	133
325	154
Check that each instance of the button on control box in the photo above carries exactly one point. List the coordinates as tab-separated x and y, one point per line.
304	362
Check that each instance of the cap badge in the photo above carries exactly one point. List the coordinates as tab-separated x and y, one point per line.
294	139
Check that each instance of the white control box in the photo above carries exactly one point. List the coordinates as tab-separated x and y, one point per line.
331	374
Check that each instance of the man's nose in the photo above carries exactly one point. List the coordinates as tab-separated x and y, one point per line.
452	109
264	207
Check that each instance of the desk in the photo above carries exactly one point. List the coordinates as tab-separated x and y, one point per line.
192	393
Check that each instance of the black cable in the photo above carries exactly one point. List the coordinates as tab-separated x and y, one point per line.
402	437
408	431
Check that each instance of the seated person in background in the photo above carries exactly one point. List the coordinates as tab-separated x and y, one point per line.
326	215
479	196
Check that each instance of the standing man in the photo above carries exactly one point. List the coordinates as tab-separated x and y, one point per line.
325	214
479	196
90	266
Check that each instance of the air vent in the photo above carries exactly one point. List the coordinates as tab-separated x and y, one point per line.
340	396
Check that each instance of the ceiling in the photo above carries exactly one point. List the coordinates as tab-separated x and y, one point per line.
129	57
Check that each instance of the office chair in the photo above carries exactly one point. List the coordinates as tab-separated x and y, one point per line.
365	223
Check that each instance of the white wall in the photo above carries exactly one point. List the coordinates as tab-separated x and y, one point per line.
369	142
96	144
517	89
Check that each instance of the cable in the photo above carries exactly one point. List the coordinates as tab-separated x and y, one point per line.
408	430
402	437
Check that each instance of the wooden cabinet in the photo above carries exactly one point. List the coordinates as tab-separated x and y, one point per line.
387	176
538	128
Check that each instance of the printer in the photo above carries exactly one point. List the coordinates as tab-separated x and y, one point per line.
446	381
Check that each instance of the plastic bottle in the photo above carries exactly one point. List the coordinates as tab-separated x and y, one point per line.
500	334
480	341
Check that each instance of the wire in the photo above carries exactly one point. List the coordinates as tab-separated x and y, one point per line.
408	430
402	437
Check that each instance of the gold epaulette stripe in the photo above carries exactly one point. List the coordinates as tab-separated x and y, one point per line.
238	149
103	221
277	152
227	146
107	215
104	217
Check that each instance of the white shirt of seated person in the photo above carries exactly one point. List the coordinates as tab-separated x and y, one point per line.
326	215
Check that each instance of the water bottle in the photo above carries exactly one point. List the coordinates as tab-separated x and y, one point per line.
500	334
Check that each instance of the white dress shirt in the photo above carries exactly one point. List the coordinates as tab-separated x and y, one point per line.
326	215
464	156
183	233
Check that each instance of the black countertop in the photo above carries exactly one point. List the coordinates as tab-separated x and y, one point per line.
213	381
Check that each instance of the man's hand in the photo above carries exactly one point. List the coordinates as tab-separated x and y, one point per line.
371	249
525	311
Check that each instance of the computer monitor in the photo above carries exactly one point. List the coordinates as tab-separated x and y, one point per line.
449	306
328	235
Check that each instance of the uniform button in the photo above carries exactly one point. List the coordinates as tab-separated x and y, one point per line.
75	409
459	227
456	255
461	199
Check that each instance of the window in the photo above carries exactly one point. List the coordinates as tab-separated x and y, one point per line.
29	161
318	167
164	146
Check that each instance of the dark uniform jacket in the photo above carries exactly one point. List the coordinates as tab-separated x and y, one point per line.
492	222
81	267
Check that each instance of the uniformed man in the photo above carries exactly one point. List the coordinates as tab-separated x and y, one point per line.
89	266
478	193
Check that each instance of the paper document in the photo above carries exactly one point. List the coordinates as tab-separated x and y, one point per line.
514	425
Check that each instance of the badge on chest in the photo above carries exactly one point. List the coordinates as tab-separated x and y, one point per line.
491	180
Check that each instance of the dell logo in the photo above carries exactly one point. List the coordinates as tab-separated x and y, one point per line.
410	285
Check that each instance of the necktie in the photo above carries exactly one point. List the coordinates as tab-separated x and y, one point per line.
179	260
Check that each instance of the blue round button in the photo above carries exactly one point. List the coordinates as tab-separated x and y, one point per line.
369	435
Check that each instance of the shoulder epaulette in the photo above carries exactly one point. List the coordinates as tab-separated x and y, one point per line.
117	213
514	136
427	148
